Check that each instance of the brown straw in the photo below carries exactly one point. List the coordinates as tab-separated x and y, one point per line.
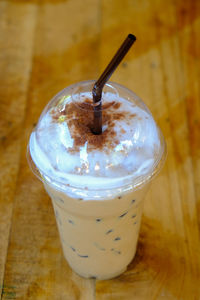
99	84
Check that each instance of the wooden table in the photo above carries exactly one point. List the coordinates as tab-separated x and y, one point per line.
46	45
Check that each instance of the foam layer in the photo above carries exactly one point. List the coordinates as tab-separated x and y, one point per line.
128	148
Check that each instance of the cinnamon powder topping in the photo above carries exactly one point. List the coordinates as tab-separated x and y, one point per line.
79	118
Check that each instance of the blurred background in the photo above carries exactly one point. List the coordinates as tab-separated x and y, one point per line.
46	45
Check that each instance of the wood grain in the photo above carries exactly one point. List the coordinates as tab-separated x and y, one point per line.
15	66
47	45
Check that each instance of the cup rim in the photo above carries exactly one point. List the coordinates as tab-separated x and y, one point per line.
135	183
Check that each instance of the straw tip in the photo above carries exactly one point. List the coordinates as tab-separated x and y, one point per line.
132	37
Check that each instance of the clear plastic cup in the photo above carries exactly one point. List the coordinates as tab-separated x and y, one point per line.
98	222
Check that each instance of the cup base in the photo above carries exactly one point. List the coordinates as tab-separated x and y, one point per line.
100	277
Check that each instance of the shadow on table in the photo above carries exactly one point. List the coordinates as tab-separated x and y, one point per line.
159	268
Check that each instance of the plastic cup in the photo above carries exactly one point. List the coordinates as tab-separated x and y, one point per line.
98	225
